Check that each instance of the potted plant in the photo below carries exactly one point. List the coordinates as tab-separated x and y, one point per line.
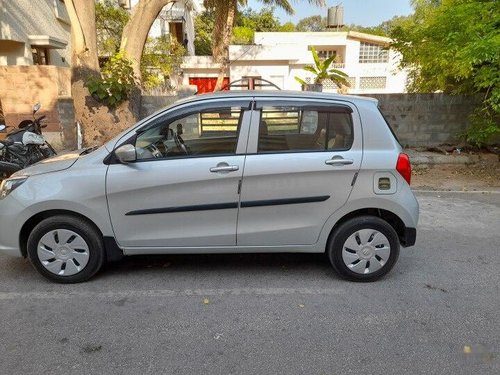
322	71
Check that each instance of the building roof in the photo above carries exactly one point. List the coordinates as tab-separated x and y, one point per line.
368	37
312	37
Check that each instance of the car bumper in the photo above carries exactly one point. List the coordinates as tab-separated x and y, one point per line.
11	219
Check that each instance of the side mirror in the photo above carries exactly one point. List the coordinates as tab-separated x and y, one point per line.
126	154
36	108
2	127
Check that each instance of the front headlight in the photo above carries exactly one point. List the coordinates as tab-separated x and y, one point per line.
10	185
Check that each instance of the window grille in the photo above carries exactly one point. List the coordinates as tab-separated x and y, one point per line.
372	82
372	53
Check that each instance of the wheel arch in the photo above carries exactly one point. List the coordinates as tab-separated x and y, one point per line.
33	221
391	218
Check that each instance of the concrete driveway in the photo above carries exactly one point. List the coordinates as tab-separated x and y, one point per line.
437	312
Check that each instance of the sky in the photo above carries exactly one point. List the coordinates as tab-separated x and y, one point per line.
359	12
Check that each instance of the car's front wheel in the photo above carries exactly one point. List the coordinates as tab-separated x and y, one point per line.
66	249
363	248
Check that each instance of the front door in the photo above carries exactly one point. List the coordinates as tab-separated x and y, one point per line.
183	189
302	159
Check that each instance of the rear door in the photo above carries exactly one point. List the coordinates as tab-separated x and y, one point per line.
301	162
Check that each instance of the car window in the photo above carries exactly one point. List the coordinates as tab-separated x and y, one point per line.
283	129
212	132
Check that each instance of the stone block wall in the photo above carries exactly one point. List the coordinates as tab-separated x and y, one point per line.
426	119
152	103
417	119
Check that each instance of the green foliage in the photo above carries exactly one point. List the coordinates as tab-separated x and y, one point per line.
110	21
318	23
247	23
287	27
161	57
300	80
264	20
453	46
374	30
203	26
384	29
483	127
115	83
312	23
322	71
242	35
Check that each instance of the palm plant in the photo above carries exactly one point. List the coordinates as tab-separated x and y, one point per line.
322	71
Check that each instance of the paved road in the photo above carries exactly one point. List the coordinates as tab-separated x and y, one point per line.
437	312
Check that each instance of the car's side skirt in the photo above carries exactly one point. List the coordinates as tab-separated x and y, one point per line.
316	248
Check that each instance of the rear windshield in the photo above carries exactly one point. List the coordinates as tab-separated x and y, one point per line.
390	127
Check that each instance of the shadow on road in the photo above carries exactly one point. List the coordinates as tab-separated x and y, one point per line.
219	263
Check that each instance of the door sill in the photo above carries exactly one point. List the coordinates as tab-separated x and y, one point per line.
223	249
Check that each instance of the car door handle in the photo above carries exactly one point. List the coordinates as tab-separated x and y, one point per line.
224	168
339	161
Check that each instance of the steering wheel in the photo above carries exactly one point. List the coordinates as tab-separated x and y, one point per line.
154	150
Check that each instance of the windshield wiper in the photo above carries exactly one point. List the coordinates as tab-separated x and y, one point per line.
89	150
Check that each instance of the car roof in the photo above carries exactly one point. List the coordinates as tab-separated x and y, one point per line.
280	94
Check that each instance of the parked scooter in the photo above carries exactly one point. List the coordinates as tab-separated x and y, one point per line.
24	146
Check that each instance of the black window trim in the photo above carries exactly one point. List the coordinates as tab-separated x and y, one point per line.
197	108
181	113
304	105
389	126
238	129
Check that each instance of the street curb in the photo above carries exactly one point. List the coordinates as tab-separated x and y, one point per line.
417	191
431	158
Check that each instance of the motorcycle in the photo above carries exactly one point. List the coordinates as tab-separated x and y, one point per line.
24	146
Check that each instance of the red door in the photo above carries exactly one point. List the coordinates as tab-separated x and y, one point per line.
206	84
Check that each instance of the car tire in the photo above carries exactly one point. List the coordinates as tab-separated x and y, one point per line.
66	249
363	248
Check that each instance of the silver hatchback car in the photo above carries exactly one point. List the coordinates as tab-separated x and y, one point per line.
234	172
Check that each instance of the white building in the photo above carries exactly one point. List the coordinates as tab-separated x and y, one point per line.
34	33
280	56
176	19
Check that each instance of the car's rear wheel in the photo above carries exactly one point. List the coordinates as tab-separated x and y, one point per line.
66	249
364	248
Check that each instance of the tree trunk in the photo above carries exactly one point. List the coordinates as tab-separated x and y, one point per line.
83	38
135	32
224	21
98	123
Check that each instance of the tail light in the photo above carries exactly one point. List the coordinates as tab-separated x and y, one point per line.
403	166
